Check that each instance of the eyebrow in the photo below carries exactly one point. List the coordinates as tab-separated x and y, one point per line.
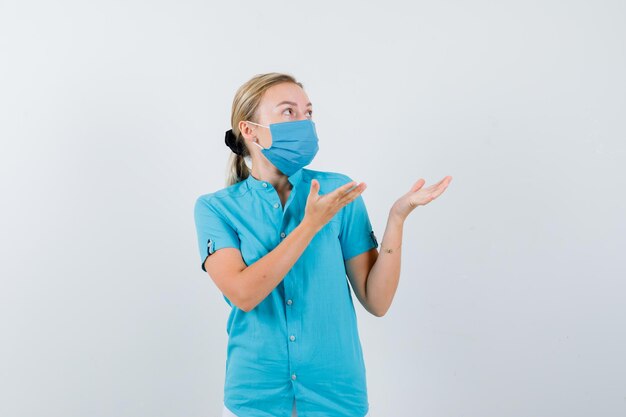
292	103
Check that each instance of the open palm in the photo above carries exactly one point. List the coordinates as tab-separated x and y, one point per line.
419	195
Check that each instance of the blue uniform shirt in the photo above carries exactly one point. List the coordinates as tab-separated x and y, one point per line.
302	340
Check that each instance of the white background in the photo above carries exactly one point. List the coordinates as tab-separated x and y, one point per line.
112	120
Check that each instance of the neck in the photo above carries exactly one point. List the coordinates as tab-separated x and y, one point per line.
263	170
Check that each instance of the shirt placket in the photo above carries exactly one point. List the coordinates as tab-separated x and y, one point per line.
292	300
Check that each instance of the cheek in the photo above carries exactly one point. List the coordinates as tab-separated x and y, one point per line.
264	138
266	144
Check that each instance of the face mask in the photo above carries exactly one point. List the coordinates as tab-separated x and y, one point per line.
294	145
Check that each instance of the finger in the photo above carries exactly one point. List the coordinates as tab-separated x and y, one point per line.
339	191
444	184
315	187
438	192
436	186
353	194
432	187
418	184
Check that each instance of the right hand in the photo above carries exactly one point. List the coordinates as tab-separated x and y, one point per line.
321	208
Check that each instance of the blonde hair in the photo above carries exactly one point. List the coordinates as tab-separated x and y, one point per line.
245	104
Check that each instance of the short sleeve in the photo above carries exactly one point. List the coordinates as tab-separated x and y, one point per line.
356	234
213	231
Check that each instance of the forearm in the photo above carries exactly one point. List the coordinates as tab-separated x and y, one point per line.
383	278
259	279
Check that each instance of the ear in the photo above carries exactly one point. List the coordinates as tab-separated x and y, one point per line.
247	130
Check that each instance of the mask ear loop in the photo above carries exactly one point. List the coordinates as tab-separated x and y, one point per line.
267	127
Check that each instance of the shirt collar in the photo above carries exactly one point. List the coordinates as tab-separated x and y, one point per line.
254	183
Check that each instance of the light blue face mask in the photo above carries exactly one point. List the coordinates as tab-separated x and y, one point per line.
294	145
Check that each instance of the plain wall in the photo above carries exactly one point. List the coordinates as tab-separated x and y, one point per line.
112	120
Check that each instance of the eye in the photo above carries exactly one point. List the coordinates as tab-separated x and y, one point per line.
289	112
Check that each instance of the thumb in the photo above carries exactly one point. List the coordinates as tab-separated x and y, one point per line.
315	187
417	185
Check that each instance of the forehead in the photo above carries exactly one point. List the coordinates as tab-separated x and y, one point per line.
284	91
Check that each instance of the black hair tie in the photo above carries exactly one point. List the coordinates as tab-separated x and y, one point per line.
231	142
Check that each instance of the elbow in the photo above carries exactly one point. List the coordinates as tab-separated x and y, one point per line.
374	307
240	305
238	300
246	307
246	304
243	305
379	312
240	297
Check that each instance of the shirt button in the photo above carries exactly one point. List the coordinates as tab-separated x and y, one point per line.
289	302
276	205
292	338
265	184
283	234
293	376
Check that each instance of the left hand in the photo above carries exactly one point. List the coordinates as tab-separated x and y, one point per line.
418	196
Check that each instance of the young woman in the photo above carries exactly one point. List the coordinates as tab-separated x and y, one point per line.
281	242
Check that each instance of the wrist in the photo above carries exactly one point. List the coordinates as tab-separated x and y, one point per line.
396	218
309	226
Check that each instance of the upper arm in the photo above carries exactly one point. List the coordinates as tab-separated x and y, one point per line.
356	234
358	245
358	269
219	245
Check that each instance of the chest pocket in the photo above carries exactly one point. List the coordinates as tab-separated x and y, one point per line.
332	227
328	236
